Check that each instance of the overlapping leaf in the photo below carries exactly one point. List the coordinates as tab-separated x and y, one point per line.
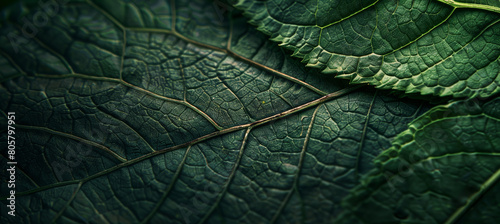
422	46
157	111
444	169
490	5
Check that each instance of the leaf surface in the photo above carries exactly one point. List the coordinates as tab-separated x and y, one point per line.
443	169
421	46
490	5
157	111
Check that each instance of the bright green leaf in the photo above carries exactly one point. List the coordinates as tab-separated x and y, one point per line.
421	46
444	169
490	5
177	112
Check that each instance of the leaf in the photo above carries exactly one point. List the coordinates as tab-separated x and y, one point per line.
490	5
419	46
443	169
161	112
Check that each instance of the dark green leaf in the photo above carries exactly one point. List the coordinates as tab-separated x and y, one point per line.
177	112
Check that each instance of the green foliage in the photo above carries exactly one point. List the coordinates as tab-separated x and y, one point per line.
419	46
490	5
181	112
444	169
130	113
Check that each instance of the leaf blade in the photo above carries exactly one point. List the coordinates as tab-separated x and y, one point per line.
135	101
426	47
434	173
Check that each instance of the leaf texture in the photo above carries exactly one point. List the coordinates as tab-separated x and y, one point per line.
443	169
167	112
421	46
490	5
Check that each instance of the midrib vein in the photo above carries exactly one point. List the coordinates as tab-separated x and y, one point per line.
260	122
